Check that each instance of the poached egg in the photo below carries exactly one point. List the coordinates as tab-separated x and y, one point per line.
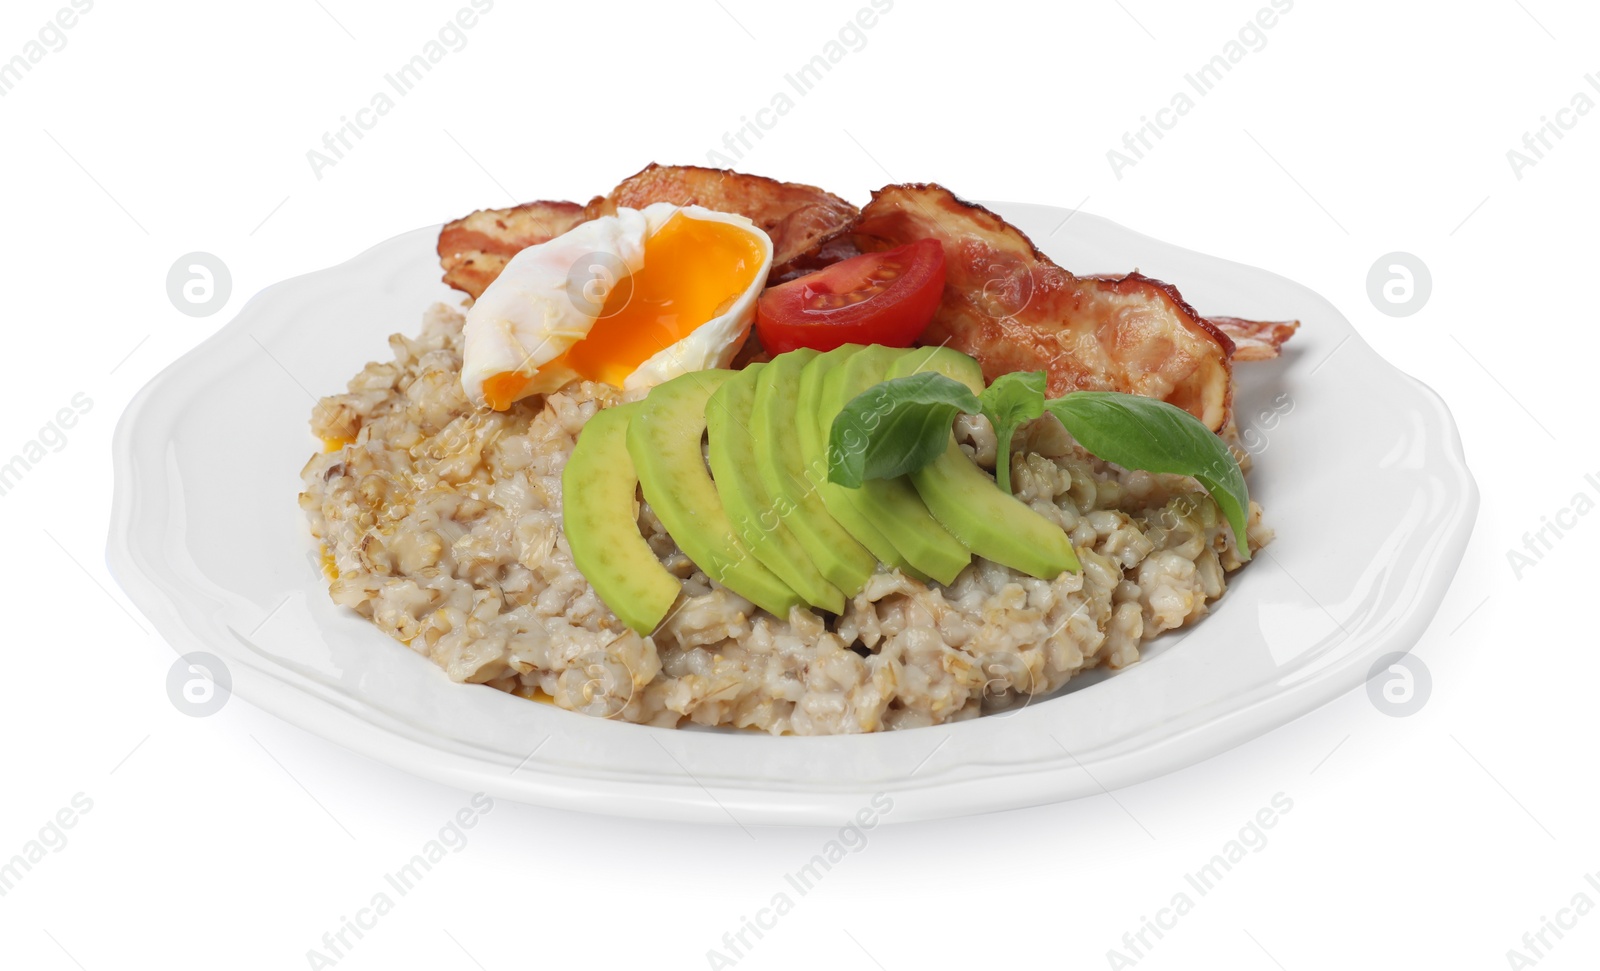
631	300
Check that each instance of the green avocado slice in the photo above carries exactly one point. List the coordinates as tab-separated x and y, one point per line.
757	518
892	505
812	433
837	555
599	512
966	500
664	440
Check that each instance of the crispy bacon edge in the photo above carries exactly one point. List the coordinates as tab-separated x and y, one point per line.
475	248
1256	340
1012	308
798	217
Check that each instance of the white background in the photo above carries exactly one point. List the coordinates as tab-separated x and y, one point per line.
1360	128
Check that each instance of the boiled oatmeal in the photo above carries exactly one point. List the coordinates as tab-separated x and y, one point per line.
444	523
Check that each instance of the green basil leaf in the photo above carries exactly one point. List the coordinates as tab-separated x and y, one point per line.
895	427
1142	433
1013	400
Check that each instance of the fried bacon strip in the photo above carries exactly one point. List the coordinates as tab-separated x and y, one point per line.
1009	306
1005	303
474	249
797	217
1256	340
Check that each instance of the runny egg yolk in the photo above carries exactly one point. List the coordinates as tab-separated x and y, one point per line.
503	388
694	269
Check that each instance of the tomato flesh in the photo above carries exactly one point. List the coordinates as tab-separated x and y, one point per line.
875	298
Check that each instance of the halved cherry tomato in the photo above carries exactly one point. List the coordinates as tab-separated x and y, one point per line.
875	298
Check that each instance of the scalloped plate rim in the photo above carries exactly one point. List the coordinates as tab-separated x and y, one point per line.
967	788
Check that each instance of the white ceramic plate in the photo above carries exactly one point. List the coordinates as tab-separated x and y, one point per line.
1360	472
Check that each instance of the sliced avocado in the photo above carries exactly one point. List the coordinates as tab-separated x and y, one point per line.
812	434
837	555
892	505
966	500
600	515
940	360
664	440
758	520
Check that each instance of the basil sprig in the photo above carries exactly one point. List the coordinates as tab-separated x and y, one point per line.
1142	433
895	427
903	424
1011	402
